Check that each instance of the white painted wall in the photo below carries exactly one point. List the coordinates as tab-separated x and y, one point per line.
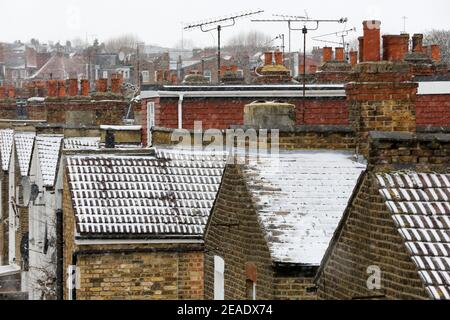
12	221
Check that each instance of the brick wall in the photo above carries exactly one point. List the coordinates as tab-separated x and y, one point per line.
237	245
293	288
221	113
302	137
369	238
141	276
433	110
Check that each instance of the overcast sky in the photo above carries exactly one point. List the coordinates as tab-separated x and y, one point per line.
159	22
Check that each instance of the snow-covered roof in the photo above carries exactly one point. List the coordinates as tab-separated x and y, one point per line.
6	145
300	199
49	147
82	143
169	195
420	207
24	148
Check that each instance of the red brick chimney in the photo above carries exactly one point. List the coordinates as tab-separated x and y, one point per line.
61	88
417	40
381	98
115	84
2	93
395	47
52	87
353	58
372	40
11	92
268	58
361	49
339	54
73	87
327	54
435	52
279	58
102	85
85	87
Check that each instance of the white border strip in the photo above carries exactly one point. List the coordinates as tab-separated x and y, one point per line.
434	87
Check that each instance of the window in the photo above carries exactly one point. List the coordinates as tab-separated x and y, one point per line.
219	278
207	75
240	73
105	74
150	121
145	76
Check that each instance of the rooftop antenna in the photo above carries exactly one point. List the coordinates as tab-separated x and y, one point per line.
305	29
404	23
219	24
340	34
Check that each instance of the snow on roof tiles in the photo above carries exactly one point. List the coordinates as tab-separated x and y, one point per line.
6	145
300	200
81	143
49	147
24	148
420	207
169	195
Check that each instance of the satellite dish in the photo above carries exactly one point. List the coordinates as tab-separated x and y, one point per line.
34	192
121	56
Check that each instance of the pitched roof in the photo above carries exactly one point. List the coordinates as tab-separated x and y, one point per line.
24	148
81	143
6	144
420	207
168	195
300	199
49	147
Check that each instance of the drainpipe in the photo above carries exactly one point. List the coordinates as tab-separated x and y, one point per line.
180	111
59	254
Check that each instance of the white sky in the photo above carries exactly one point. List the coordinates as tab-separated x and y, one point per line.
159	22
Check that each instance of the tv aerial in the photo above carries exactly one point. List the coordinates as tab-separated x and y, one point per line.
219	24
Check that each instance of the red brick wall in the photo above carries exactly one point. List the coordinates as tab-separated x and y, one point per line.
433	110
219	113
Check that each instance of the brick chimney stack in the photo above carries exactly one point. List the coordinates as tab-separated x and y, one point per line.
268	58
102	85
395	47
381	98
61	88
372	40
52	87
279	57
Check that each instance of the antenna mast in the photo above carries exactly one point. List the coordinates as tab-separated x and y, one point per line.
219	24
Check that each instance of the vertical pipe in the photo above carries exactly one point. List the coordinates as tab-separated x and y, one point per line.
59	255
219	28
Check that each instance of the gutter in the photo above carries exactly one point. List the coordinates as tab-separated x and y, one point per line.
91	242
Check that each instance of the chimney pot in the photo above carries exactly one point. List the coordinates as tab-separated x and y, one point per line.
340	54
73	87
361	49
102	85
418	43
268	58
372	40
327	54
52	87
85	87
353	58
279	57
312	69
436	52
115	84
11	92
2	93
61	88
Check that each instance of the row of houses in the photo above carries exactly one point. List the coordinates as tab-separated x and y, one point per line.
350	201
